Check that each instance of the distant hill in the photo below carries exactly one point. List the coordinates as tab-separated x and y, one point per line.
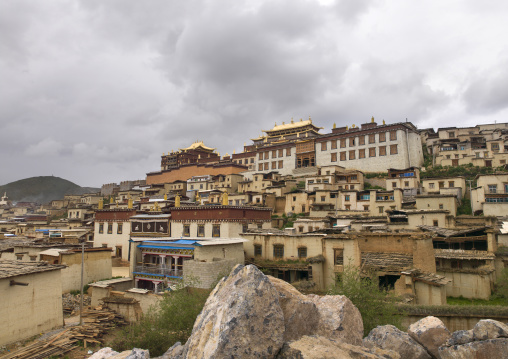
42	189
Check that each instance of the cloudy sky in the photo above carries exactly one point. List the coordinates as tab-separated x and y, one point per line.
95	91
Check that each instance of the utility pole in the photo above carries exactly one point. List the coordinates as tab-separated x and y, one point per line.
82	269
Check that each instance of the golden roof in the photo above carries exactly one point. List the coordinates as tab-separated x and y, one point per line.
197	144
293	124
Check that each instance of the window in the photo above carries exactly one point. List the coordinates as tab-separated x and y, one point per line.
201	230
216	230
365	208
281	152
361	140
431	185
258	250
393	149
245	227
382	137
302	252
338	255
382	150
394	184
260	167
406	183
451	184
372	138
274	154
267	155
334	145
323	198
346	197
288	152
343	156
281	164
351	142
492	188
33	258
274	165
260	155
343	143
333	157
278	251
323	146
101	228
352	155
110	228
451	134
372	152
435	223
393	135
495	147
186	230
441	206
266	166
119	228
361	153
381	209
441	184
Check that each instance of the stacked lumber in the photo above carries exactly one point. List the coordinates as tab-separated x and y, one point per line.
96	323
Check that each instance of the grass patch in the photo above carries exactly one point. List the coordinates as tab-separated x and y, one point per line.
466	301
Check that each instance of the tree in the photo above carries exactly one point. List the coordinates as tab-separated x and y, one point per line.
376	306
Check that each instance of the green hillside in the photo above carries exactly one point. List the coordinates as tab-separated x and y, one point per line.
42	189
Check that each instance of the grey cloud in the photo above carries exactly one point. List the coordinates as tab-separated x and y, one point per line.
488	91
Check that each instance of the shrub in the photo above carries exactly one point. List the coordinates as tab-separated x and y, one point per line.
376	306
170	322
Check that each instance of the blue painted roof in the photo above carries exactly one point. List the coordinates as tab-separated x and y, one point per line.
180	241
163	247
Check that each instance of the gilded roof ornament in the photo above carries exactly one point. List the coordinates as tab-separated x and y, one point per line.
292	120
372	119
334	125
384	122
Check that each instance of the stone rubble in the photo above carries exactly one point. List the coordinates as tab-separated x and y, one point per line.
251	315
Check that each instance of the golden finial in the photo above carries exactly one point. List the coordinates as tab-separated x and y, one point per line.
384	122
156	207
218	154
275	124
372	119
163	154
234	152
347	128
225	200
227	155
334	125
101	203
292	120
354	126
301	120
245	143
177	200
283	123
310	119
198	198
129	203
165	196
111	200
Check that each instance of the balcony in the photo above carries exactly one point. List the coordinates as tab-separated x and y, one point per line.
150	269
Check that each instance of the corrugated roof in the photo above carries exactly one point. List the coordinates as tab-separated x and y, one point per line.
9	269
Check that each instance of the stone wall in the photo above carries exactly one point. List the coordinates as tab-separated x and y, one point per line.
206	274
468	285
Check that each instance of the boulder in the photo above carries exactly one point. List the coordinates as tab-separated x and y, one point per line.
490	329
103	353
339	319
135	353
431	333
241	318
486	349
324	348
301	316
388	337
460	337
176	351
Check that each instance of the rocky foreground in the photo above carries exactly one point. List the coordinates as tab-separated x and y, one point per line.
251	315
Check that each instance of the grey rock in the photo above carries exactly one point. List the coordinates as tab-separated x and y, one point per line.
339	319
486	349
176	351
460	337
323	348
431	333
103	353
388	337
241	318
490	329
137	353
301	316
